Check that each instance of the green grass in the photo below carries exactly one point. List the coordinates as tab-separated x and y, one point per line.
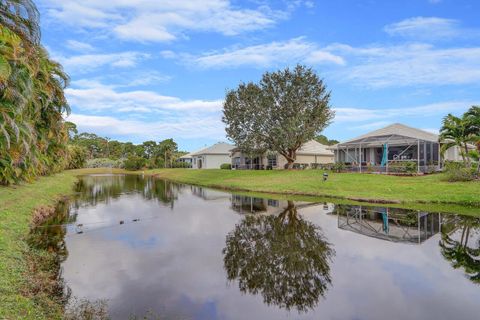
430	189
16	206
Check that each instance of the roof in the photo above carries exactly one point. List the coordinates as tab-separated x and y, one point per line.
396	129
186	156
315	148
217	148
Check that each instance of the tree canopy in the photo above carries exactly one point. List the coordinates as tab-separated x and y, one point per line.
283	111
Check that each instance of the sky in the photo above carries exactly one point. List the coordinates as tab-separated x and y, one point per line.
156	69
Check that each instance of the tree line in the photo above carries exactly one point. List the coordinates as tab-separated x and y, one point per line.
152	154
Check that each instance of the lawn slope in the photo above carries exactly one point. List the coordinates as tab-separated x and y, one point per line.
16	206
353	186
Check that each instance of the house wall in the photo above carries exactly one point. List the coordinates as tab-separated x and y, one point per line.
306	159
281	161
210	161
454	153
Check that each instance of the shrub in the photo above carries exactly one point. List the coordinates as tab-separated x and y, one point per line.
180	164
76	157
338	167
104	163
411	167
226	166
458	171
135	163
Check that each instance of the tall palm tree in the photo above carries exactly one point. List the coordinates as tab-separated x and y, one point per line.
33	134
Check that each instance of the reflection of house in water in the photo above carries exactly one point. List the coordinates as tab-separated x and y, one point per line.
245	204
392	224
209	194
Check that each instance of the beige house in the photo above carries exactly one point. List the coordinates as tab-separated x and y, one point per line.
312	152
212	157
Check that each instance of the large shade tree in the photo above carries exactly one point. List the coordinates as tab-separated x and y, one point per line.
280	113
283	258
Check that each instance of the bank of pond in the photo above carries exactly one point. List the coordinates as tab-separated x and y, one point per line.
132	245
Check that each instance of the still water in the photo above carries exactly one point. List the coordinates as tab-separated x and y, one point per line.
186	252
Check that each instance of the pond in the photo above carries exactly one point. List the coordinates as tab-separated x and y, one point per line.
187	252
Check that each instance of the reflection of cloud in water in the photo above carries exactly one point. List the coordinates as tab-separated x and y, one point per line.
173	264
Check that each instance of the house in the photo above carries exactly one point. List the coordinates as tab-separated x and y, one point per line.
311	153
187	158
212	157
385	149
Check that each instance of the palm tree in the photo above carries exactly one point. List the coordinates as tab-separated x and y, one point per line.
33	134
22	18
456	131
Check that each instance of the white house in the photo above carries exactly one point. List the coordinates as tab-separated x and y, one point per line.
212	157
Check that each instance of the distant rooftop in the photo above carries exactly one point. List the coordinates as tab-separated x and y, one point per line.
217	148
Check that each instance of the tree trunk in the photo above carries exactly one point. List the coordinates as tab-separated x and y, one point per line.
290	164
466	152
291	156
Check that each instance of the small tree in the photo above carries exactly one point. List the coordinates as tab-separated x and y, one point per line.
282	112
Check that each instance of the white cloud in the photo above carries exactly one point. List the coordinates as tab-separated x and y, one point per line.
186	127
267	55
384	116
408	65
94	96
427	28
89	62
79	46
166	20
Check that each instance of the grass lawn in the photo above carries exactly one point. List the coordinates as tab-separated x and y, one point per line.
352	186
16	206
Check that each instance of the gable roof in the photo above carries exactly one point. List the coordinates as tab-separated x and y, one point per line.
396	129
217	148
315	148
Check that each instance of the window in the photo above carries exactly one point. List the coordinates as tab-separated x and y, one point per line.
272	160
273	203
236	162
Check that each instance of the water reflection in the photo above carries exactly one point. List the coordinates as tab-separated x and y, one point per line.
94	189
282	257
460	245
277	255
392	224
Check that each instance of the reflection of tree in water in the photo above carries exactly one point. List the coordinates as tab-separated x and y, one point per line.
50	235
47	239
94	189
458	247
284	258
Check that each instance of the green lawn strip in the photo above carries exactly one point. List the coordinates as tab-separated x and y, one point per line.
16	206
429	189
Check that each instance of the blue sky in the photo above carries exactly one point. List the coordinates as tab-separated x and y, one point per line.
150	70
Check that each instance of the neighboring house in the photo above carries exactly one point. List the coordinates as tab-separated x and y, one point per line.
187	158
311	153
383	148
212	157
